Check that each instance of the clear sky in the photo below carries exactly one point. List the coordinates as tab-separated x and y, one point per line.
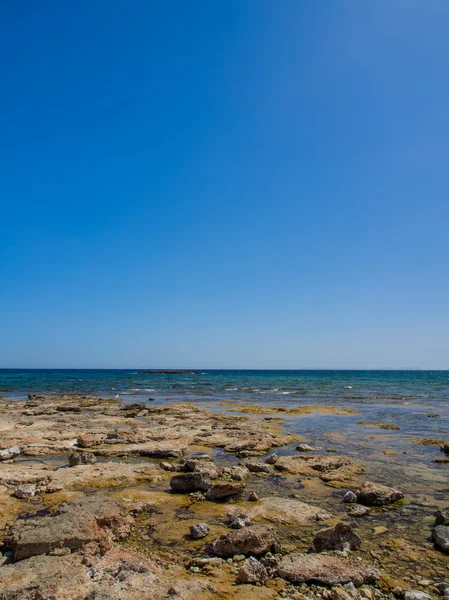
222	184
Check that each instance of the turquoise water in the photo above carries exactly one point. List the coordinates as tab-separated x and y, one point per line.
257	387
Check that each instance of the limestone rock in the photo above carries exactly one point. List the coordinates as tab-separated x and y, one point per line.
199	530
82	458
257	466
252	571
9	453
327	569
374	494
288	511
25	491
349	497
339	537
442	517
357	510
87	519
440	536
254	540
272	459
304	448
190	482
225	489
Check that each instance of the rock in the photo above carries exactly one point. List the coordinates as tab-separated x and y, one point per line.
440	537
304	448
349	497
199	530
205	467
168	467
197	497
442	517
327	569
9	453
190	482
82	458
288	511
257	466
339	537
358	511
238	473
25	491
95	518
238	519
254	540
252	571
328	468
416	595
87	440
253	497
445	447
225	489
272	459
374	494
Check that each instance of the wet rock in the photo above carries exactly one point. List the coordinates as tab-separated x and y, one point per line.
374	494
358	511
328	468
225	489
82	458
416	595
205	467
257	466
327	569
199	530
88	519
305	448
440	537
254	540
252	571
349	497
272	459
25	491
190	482
288	511
442	517
339	537
170	467
238	473
9	453
253	497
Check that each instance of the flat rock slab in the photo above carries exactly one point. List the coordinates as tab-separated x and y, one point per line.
325	569
328	468
95	518
286	510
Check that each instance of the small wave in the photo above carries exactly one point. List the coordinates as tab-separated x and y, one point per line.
231	389
348	387
286	393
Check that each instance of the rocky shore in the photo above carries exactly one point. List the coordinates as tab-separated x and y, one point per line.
103	500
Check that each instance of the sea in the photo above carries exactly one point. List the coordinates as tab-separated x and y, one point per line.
279	387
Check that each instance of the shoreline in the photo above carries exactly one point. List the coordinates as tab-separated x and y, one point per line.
136	448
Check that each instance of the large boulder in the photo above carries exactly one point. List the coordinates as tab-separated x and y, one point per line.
190	482
374	494
288	511
340	537
87	519
257	466
225	489
255	540
440	536
327	569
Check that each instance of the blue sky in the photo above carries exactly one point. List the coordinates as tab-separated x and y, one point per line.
224	184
